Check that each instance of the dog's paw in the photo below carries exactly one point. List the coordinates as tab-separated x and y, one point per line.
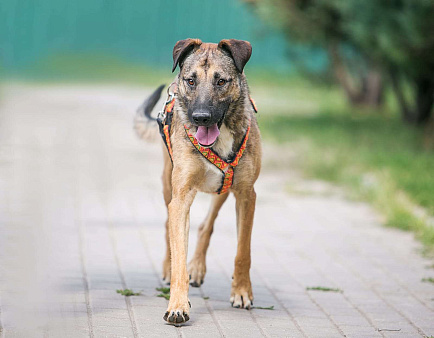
166	271
197	270
177	312
241	297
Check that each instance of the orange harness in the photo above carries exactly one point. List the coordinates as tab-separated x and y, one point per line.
226	167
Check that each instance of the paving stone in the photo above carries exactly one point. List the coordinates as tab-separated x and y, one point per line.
359	331
318	332
354	320
276	327
113	332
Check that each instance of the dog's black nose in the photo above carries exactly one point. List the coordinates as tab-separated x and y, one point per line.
201	117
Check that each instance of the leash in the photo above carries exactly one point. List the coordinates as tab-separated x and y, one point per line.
164	121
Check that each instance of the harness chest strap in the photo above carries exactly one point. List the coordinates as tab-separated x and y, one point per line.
225	167
222	165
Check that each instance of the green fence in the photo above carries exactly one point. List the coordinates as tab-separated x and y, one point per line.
140	31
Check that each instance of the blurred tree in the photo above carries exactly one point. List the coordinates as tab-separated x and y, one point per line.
321	23
365	39
399	35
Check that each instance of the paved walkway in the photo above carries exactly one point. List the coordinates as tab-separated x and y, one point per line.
81	215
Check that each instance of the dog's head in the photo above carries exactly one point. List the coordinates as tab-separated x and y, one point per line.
210	80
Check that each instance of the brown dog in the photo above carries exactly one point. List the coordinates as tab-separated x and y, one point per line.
213	142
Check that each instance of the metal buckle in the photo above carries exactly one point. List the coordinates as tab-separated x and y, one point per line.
162	113
170	96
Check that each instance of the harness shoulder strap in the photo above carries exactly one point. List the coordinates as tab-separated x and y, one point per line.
255	108
164	121
165	135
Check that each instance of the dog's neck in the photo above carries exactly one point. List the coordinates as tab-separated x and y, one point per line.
233	128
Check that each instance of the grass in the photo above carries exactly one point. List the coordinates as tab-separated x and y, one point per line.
165	292
324	289
164	295
128	292
428	280
372	153
264	308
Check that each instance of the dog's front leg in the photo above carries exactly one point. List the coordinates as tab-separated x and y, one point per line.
179	210
167	192
197	266
241	294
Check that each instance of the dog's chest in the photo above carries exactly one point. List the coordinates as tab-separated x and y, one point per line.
213	177
224	144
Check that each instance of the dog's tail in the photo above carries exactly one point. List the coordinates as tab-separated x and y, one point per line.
144	124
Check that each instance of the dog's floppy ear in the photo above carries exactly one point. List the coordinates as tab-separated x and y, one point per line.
181	50
239	50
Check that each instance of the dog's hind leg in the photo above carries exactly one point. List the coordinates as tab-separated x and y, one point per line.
167	192
241	293
197	265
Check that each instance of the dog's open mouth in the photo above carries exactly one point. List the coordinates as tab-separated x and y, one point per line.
207	136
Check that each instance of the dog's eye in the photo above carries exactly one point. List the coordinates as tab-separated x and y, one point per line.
221	82
190	82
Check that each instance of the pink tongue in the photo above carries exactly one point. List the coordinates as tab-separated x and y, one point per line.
207	135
